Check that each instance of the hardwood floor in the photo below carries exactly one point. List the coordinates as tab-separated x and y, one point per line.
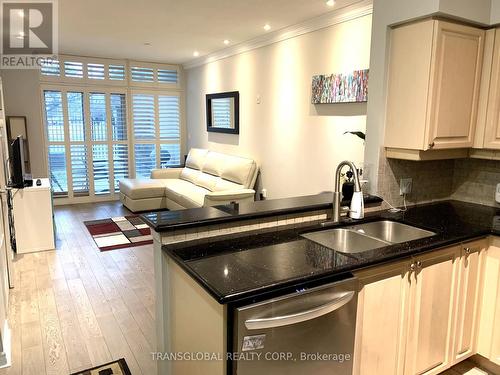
468	368
77	307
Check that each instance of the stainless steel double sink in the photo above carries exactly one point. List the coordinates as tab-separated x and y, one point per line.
368	236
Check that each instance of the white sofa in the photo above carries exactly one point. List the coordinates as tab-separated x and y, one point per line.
208	179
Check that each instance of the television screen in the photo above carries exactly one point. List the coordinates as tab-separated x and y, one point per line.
17	163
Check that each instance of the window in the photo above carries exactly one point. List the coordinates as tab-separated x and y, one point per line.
98	126
73	69
51	68
167	76
92	156
142	74
156	131
116	72
79	170
153	75
108	119
120	163
58	176
95	71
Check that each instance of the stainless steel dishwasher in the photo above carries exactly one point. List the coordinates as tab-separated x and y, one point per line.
308	332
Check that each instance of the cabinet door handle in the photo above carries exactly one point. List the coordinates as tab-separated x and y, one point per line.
419	264
431	145
467	250
413	267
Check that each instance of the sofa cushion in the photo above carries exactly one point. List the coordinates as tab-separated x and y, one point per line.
190	174
142	188
207	181
214	163
239	170
224	185
196	158
185	193
233	168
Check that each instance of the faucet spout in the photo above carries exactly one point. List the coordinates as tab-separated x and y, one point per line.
357	206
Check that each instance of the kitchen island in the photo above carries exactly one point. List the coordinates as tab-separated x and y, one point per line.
211	261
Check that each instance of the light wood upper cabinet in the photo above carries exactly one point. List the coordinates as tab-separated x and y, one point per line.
491	135
433	88
468	300
430	323
382	312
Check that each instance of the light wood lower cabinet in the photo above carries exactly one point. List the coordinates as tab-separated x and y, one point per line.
489	330
381	320
430	322
419	316
468	300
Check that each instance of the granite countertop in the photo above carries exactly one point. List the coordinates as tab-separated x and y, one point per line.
164	221
250	268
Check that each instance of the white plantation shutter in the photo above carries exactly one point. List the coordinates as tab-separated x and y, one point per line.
100	162
167	76
168	111
86	166
51	68
116	72
143	107
222	109
145	159
98	116
79	170
95	71
54	116
141	74
118	117
57	168
92	140
157	131
75	116
170	155
73	69
120	163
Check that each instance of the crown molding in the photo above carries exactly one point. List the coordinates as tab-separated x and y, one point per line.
348	13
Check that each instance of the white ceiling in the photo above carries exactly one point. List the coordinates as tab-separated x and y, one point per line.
175	28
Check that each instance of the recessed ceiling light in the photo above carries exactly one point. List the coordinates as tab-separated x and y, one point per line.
267	27
226	42
196	54
330	3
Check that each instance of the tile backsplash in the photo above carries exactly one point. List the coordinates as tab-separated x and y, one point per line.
469	180
432	180
475	180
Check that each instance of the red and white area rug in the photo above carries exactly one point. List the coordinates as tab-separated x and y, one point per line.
119	232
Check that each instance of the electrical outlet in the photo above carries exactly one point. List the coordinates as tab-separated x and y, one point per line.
405	185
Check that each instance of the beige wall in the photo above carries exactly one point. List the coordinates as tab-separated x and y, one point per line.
22	98
297	144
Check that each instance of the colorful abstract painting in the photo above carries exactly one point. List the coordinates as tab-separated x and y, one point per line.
340	88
